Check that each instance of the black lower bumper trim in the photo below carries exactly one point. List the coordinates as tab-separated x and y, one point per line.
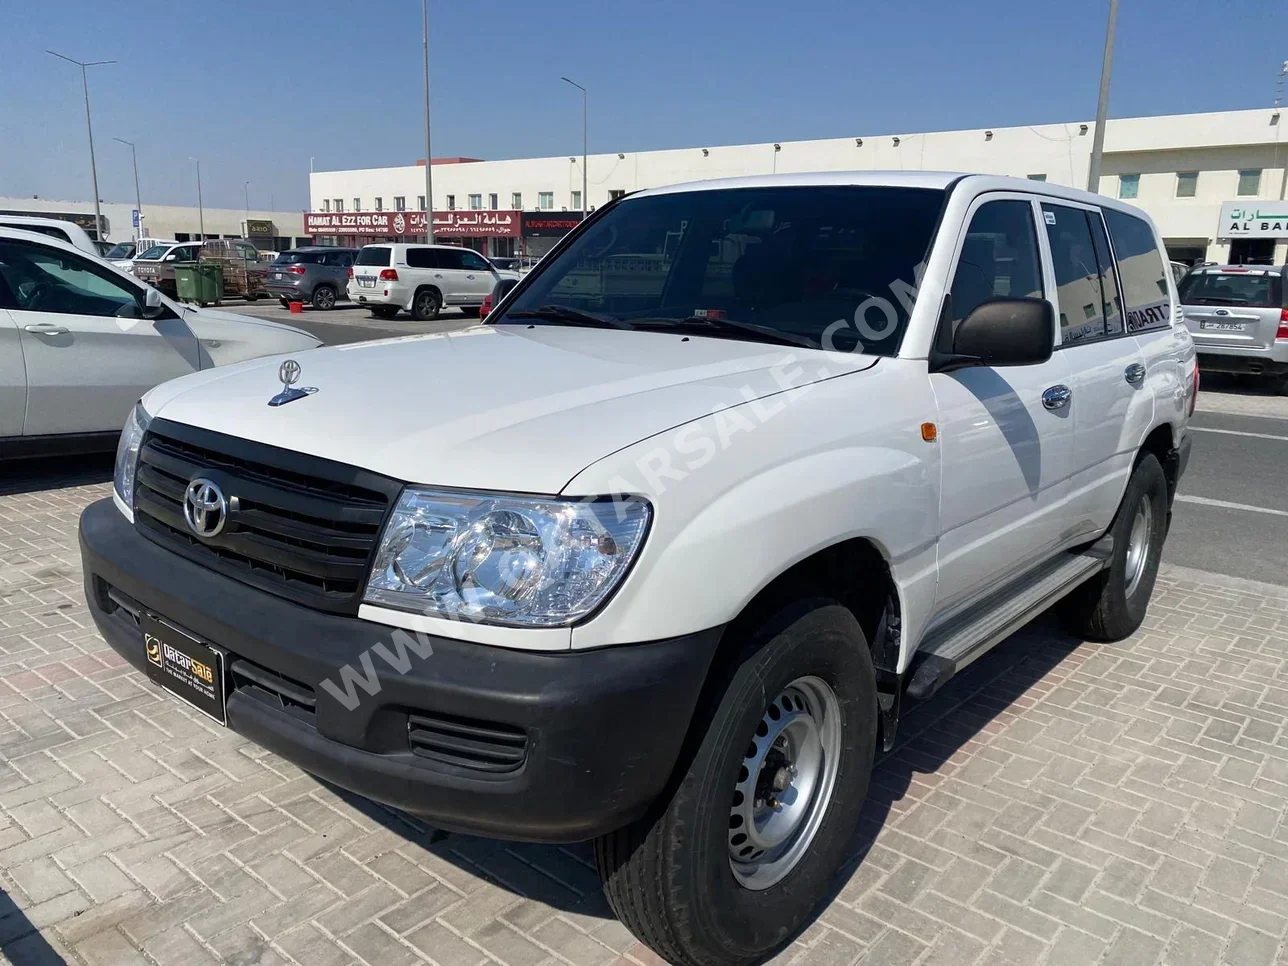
603	728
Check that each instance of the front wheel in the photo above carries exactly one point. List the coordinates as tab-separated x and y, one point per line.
1112	605
426	305
745	850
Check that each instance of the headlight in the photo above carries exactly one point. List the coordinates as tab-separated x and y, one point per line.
498	559
127	454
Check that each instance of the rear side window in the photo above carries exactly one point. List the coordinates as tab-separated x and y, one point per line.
421	258
299	258
1232	288
1141	268
1077	275
373	255
49	230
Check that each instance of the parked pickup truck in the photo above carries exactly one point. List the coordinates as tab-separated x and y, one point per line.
657	555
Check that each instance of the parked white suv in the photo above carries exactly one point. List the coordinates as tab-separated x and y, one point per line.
59	228
655	556
81	340
421	279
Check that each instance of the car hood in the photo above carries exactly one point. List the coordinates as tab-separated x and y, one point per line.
507	408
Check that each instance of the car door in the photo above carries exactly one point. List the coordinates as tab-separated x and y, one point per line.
1112	409
13	370
479	275
89	349
1005	432
450	274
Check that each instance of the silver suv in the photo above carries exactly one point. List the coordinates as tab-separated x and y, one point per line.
318	275
1239	319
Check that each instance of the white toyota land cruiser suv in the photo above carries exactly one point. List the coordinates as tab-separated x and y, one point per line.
656	555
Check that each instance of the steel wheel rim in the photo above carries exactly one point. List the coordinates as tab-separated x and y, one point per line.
785	783
1138	544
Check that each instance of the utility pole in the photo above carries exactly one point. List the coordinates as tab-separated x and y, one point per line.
93	168
246	188
138	198
201	211
1278	121
1102	106
585	204
429	157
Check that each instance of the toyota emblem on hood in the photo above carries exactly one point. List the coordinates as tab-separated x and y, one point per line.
289	373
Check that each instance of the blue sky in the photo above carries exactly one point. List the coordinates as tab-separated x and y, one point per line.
255	88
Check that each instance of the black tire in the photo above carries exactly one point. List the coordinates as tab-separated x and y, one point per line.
470	311
323	298
286	303
1111	606
384	311
669	877
425	305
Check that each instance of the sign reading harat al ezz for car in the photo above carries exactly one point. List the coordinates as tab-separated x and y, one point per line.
463	224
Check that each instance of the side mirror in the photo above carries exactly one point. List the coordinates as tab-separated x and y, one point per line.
153	304
171	258
1001	332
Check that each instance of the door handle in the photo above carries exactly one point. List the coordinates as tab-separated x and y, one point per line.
471	277
45	328
1135	373
1057	397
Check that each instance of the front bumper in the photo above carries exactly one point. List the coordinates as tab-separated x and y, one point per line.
602	729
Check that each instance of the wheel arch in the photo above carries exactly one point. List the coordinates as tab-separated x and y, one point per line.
1161	441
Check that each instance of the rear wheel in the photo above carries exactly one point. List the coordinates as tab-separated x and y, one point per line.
1112	604
426	305
324	297
286	303
735	862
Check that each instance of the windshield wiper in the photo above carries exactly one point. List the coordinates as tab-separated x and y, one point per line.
569	316
762	333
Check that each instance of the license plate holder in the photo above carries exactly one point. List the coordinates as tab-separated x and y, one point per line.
1211	325
366	281
188	668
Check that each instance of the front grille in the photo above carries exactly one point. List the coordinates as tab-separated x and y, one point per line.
466	742
298	526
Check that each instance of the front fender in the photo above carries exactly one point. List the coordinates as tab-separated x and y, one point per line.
742	495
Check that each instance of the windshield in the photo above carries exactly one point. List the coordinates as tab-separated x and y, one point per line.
120	250
790	260
154	253
1232	288
373	255
298	258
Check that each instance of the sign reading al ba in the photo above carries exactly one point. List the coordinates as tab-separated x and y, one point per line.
1253	219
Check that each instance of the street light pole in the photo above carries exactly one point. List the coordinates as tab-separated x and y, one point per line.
1279	96
585	203
429	158
93	168
1102	105
246	188
201	211
138	198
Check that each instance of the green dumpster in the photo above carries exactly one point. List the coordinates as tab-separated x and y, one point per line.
200	282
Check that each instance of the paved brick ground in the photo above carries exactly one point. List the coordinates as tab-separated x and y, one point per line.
1062	803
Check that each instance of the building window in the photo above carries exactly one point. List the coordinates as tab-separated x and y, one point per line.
1187	184
493	201
1037	177
400	202
357	204
516	200
1128	185
420	202
339	204
326	204
576	201
545	200
380	203
476	202
615	193
451	202
1250	183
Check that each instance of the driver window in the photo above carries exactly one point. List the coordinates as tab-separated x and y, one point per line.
474	263
999	258
36	279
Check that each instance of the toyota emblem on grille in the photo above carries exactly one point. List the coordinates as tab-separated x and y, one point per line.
289	373
205	508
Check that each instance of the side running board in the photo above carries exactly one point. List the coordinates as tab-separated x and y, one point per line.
953	646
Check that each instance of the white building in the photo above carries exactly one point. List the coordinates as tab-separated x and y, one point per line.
270	230
1181	169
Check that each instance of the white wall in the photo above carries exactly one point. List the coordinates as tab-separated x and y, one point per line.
163	221
1217	145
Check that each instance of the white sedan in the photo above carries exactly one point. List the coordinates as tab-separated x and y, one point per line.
81	341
